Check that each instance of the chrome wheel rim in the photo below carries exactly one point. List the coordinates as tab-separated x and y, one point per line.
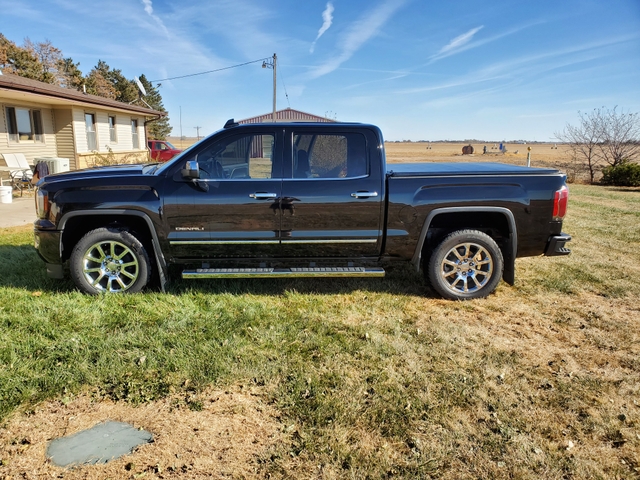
466	268
110	266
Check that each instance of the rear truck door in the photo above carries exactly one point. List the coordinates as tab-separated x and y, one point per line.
332	193
234	209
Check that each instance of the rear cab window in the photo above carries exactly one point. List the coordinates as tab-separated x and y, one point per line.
328	155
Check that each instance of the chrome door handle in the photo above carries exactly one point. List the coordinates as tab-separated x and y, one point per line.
263	195
364	194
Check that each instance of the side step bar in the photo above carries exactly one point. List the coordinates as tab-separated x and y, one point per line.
283	272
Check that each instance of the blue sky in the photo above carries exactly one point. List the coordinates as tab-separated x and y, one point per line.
421	70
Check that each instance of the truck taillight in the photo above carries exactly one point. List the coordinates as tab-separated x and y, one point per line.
560	203
42	204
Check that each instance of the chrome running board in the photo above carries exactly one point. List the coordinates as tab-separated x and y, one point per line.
283	272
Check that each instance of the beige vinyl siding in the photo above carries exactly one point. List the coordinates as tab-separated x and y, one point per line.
63	123
30	149
102	131
123	131
79	131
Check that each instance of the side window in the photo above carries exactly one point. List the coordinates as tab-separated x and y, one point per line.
90	127
134	134
329	156
238	157
112	129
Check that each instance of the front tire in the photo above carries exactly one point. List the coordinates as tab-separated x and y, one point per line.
467	264
107	260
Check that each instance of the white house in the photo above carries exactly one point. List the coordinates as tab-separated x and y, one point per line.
42	120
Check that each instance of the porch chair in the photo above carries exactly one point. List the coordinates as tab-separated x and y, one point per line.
20	171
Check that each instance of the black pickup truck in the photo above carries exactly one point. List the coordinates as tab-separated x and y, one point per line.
297	200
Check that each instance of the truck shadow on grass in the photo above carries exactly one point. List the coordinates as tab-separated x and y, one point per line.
22	268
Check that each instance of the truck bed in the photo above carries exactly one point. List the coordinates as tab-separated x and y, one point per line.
421	169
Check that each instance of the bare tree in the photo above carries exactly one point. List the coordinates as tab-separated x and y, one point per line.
620	136
602	137
48	57
583	141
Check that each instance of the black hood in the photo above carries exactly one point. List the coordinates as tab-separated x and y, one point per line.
97	172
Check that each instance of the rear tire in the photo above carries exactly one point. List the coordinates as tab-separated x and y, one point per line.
467	264
107	260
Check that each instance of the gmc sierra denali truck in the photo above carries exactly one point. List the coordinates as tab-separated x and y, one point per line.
297	200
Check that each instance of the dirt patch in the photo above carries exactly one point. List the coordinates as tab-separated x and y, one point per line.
226	435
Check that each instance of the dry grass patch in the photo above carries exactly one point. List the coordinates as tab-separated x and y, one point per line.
228	435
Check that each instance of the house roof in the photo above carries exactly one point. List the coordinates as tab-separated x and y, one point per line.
287	115
59	95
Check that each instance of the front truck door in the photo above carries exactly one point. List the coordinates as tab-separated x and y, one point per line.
332	198
235	211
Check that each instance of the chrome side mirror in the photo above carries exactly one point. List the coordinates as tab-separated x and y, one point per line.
191	170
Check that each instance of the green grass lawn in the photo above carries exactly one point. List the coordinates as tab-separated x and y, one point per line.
372	378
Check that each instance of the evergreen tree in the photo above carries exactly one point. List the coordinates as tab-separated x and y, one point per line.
124	90
98	84
19	61
69	74
158	129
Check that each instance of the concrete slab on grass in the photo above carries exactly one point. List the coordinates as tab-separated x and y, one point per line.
100	444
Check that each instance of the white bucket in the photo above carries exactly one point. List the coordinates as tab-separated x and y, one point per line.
6	194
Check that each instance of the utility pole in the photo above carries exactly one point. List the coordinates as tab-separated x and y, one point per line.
272	64
198	132
181	137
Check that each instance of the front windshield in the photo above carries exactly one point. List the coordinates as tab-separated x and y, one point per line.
170	146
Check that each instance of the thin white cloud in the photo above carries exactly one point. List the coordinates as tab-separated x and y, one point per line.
247	26
549	66
460	40
379	80
148	7
359	33
456	45
327	20
463	42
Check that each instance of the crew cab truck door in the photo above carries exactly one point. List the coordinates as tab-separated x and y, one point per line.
332	193
233	209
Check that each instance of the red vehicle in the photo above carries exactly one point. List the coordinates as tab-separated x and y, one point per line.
162	151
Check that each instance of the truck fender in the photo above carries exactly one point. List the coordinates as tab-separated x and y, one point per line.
160	261
510	255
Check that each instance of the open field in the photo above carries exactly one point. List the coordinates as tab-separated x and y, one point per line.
542	154
339	379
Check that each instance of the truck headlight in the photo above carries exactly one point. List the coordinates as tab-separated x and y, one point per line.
42	204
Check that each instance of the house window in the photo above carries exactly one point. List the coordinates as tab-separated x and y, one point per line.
90	126
134	134
24	125
112	129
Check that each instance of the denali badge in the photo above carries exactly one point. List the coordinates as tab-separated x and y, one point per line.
190	229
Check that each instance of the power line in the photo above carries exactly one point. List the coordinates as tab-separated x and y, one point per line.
285	87
210	71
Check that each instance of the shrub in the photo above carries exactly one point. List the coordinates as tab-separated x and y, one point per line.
624	175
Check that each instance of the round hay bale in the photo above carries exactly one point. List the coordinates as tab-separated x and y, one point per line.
467	150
